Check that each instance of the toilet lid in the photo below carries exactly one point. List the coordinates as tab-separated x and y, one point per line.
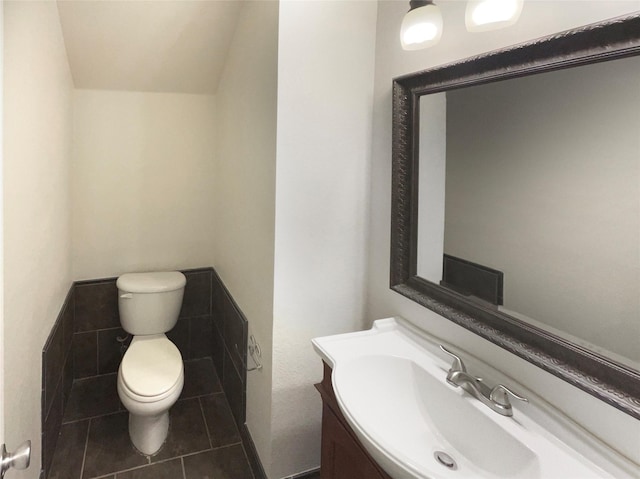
151	366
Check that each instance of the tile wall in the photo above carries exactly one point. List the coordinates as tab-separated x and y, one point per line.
230	347
98	337
87	341
57	377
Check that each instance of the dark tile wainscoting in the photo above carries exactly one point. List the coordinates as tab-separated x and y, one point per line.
83	352
57	377
230	347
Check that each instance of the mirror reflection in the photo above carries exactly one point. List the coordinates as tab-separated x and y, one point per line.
529	200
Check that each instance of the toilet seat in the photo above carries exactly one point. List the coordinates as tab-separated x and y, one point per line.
151	369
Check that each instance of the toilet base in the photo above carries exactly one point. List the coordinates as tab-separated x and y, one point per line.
148	433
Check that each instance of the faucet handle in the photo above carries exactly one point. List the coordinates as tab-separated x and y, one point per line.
457	365
499	395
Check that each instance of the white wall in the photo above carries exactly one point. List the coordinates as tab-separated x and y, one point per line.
318	58
432	163
245	193
1	227
37	244
325	88
142	182
538	18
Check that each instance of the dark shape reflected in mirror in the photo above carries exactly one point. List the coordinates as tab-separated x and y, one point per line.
427	231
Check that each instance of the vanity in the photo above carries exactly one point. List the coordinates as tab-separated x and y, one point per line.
392	409
342	455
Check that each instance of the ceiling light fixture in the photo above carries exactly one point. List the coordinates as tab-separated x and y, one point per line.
421	26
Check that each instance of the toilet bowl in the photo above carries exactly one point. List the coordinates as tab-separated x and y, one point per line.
150	380
151	374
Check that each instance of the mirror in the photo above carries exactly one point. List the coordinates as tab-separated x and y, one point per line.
516	202
540	178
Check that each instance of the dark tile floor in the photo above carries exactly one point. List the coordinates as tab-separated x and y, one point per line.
203	440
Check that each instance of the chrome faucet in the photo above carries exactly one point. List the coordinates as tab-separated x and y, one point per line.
497	398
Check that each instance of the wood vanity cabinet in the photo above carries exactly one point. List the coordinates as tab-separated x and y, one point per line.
343	457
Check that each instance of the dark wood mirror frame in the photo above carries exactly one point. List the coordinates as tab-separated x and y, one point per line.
616	384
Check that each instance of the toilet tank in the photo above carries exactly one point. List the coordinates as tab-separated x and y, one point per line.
150	303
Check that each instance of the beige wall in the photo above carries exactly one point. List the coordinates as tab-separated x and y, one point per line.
538	18
37	244
245	193
325	86
431	187
295	260
142	182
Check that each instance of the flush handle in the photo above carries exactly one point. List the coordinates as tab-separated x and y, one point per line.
126	296
19	459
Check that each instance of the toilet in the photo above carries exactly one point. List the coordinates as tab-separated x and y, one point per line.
151	373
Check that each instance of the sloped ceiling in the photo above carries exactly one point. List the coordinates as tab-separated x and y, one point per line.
148	45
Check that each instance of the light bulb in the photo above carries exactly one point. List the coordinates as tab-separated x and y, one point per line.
483	15
420	33
421	27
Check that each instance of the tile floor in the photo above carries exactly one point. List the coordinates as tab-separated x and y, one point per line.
203	441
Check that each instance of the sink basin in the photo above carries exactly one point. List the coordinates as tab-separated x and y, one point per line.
429	416
390	386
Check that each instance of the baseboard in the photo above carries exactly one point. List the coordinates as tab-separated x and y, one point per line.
312	474
256	465
252	453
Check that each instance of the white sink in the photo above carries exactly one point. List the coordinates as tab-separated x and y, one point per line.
390	385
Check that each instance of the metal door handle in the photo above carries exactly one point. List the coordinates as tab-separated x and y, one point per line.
19	459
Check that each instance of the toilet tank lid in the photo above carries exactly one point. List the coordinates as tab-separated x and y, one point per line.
155	282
